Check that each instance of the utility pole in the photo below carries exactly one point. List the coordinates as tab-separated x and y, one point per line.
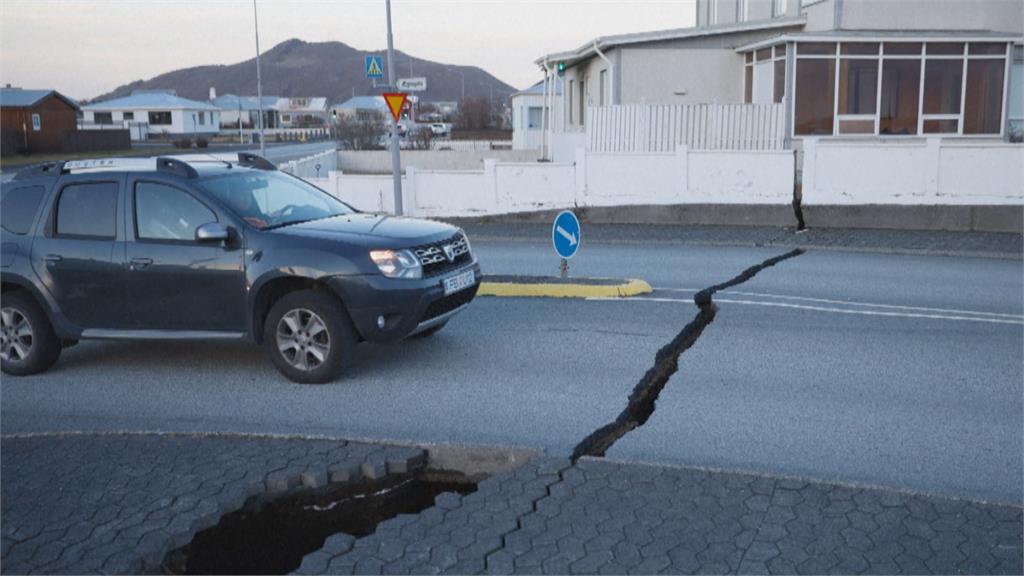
396	159
259	80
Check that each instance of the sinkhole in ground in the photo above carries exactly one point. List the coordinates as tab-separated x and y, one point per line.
272	535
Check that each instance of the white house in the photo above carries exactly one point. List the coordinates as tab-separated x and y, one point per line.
528	119
153	113
361	105
885	68
302	112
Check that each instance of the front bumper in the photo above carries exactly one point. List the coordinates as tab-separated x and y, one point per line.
408	306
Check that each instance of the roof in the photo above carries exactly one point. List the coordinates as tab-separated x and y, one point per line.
883	35
19	98
588	50
363	103
231	102
150	101
538	89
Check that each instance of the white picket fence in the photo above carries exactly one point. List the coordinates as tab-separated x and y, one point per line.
660	128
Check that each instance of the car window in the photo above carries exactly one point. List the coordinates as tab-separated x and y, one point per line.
272	199
18	208
88	210
164	212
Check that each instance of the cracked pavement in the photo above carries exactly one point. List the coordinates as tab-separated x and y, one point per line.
116	503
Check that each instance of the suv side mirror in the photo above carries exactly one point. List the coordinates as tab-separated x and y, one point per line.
212	232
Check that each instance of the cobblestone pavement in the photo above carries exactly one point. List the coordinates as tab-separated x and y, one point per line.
117	503
987	244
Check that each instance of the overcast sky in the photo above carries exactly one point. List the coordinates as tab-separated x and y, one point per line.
84	49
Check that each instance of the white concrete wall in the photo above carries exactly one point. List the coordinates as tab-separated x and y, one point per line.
922	172
682	177
379	161
307	167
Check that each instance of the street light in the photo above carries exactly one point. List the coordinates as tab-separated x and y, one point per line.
259	80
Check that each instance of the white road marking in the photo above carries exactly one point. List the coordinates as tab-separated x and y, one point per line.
821	309
850	303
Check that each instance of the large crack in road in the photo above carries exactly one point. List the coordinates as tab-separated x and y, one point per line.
645	394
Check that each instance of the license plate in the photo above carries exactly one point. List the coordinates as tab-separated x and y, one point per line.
459	282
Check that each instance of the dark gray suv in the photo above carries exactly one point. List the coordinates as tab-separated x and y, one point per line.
169	248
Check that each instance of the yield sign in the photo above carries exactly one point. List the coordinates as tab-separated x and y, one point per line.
395	101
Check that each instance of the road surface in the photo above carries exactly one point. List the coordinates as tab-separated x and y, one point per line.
892	370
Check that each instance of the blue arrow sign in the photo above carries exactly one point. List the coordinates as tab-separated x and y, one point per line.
565	234
374	67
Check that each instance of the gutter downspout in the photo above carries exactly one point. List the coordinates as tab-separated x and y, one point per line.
545	147
611	74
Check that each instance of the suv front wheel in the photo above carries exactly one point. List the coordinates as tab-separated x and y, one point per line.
309	337
27	342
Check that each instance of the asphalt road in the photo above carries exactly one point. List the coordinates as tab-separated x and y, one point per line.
901	371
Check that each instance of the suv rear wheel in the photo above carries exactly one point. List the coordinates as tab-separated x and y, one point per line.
27	342
309	337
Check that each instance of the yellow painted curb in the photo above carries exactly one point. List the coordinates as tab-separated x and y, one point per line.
626	289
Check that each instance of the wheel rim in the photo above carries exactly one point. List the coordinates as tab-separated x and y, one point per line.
16	336
303	339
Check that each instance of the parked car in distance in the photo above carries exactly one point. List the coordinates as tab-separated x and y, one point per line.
440	129
164	248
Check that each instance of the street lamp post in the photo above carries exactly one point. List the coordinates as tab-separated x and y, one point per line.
396	160
259	80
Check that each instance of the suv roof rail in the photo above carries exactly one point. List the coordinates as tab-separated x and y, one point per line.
44	169
175	166
250	160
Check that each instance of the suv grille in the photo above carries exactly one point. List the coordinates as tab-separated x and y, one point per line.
440	257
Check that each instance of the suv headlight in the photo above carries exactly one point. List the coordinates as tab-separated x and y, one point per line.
397	263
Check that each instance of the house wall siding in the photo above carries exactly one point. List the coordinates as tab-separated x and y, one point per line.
56	118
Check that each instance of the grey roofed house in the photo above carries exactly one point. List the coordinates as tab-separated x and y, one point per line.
20	98
235	102
749	51
357	104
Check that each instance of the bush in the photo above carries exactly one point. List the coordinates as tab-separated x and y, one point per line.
202	142
183	143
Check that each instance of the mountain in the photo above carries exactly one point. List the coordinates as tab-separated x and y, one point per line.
331	69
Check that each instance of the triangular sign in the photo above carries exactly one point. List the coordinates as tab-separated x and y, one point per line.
374	68
395	101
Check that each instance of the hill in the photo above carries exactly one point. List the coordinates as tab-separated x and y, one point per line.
331	69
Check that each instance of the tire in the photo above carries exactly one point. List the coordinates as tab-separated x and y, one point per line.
431	331
29	345
309	337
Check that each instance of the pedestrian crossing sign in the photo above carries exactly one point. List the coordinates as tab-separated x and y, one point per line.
374	67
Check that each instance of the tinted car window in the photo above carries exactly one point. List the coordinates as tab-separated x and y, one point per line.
19	206
88	210
272	199
166	213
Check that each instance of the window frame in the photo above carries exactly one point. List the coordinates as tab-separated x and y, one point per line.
923	57
170	117
773	60
135	213
53	230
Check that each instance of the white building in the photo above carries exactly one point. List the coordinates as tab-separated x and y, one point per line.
153	113
884	68
302	112
528	118
233	107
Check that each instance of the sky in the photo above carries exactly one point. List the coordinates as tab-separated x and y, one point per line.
84	49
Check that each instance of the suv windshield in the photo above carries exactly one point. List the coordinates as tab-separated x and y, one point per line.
272	199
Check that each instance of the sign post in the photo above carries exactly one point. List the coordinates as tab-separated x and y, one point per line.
396	160
566	236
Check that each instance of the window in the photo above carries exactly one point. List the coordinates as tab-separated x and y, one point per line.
273	199
778	7
779	81
535	116
18	208
202	117
583	102
103	117
286	118
748	84
983	109
160	118
604	86
572	93
815	96
37	123
901	84
88	210
901	88
129	115
743	10
166	213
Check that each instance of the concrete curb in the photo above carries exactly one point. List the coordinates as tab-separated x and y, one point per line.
546	287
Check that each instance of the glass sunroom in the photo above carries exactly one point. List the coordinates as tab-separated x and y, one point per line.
885	84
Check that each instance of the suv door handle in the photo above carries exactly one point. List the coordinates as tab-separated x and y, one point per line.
137	263
52	258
